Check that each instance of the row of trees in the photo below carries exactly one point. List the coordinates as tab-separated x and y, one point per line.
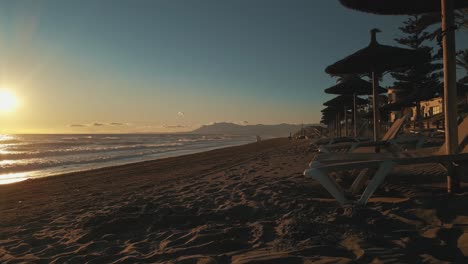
418	33
423	33
424	81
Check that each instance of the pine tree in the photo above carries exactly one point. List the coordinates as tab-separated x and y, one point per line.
420	81
462	62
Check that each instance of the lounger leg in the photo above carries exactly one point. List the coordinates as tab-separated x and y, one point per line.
323	149
384	169
328	184
359	182
421	141
462	171
353	147
453	178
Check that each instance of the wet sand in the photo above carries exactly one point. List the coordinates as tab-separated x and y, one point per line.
245	204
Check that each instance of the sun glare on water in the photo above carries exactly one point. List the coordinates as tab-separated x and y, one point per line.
8	101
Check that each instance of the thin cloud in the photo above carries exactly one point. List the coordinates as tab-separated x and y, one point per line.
77	125
116	124
180	114
98	124
175	126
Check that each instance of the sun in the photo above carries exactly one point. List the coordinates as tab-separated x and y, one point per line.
8	101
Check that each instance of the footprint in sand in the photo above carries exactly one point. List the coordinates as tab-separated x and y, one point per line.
211	190
234	177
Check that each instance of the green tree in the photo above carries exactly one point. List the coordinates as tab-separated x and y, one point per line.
462	60
461	18
420	81
427	20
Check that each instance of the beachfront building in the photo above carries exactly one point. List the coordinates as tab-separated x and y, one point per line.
431	109
395	96
428	108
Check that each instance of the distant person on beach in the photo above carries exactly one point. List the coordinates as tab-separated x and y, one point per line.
259	138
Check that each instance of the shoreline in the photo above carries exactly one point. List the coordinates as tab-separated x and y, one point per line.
145	163
57	172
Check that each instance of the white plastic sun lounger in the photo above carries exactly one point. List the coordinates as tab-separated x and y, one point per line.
383	162
343	157
318	171
388	140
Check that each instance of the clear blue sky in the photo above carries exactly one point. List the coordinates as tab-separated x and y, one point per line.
141	62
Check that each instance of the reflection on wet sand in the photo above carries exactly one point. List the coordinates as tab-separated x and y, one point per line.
13	177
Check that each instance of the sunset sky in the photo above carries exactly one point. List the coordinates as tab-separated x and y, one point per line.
92	66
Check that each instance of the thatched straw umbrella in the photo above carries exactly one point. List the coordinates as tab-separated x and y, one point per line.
345	101
375	59
446	7
401	7
330	117
353	85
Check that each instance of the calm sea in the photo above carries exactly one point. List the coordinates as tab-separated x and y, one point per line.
33	156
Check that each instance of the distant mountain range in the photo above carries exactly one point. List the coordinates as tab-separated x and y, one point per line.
280	130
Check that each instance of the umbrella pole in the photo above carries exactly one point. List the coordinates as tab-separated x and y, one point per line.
450	95
354	115
337	118
334	127
335	131
339	124
368	119
331	129
345	121
375	85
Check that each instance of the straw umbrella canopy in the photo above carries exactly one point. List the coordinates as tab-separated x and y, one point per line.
353	85
345	101
329	113
330	117
446	7
375	59
399	7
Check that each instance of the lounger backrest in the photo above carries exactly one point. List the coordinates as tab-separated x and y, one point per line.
462	137
396	126
464	148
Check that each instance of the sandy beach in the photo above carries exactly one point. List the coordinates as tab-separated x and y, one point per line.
245	204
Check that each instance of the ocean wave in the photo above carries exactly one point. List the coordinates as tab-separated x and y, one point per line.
45	153
204	138
14	154
13	166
